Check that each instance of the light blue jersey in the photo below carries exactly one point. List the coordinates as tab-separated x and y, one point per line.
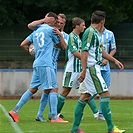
44	40
43	72
56	51
30	37
109	44
108	40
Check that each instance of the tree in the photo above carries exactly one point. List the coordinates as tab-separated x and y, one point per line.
25	11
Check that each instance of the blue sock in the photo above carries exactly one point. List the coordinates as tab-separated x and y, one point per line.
100	107
53	104
24	99
43	103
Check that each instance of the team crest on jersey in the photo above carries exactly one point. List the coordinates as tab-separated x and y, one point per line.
74	47
101	46
88	44
104	46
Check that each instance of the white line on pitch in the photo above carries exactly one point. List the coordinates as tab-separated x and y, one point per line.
14	125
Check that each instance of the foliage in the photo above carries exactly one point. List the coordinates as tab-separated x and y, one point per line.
24	11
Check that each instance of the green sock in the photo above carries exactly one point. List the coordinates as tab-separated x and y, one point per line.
93	106
61	101
78	113
107	112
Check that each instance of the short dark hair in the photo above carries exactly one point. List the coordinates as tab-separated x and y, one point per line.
76	21
52	14
98	16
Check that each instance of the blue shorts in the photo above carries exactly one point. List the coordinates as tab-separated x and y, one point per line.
106	77
43	77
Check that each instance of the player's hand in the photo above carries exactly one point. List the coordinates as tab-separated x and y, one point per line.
119	64
56	31
104	62
82	76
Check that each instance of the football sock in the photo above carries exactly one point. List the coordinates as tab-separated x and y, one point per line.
107	112
100	108
24	98
53	104
78	113
43	103
61	101
93	106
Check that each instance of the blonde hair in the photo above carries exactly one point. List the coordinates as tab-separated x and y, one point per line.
63	16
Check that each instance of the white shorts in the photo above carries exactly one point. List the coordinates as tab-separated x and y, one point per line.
93	82
69	78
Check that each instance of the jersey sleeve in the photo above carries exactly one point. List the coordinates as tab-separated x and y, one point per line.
113	43
66	37
55	38
72	43
87	39
37	27
30	38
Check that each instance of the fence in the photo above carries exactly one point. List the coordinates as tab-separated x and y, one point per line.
14	82
11	37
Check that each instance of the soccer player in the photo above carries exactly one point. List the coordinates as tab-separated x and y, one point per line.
60	24
73	65
43	72
49	19
90	78
109	45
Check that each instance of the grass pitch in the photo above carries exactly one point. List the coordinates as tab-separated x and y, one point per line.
122	112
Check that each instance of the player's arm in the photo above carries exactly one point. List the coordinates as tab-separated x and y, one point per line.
112	52
62	44
111	58
25	45
77	54
84	57
33	24
105	61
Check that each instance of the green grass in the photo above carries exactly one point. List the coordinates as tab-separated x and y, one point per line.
122	112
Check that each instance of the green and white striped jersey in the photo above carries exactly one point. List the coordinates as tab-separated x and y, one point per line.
74	44
91	42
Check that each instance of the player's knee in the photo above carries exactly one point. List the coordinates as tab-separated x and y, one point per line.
33	90
105	94
85	97
54	90
65	91
47	91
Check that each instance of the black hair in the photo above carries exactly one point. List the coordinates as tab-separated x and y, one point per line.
52	14
98	16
